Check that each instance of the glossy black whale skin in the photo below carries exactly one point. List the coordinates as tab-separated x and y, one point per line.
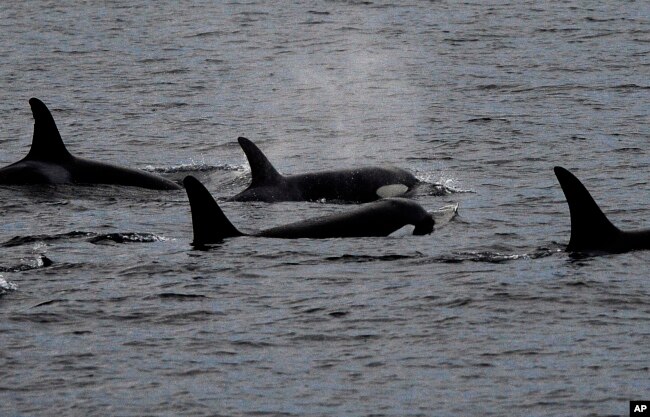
379	218
49	162
591	230
356	185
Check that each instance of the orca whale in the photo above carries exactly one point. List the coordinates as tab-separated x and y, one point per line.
49	162
591	230
356	185
379	218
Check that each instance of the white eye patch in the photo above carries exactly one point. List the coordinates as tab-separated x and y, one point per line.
392	190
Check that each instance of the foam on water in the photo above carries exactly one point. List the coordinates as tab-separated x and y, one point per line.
6	286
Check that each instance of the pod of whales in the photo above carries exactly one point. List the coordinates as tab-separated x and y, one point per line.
591	230
49	162
357	185
379	218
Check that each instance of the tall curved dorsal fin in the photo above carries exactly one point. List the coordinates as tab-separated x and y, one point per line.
590	228
209	223
262	172
47	144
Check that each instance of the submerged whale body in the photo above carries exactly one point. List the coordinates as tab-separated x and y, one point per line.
380	218
49	162
591	230
357	185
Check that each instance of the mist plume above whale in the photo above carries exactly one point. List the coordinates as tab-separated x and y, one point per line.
591	230
358	185
379	218
49	162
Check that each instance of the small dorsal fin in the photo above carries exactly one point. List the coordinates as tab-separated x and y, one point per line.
209	223
47	144
590	228
262	172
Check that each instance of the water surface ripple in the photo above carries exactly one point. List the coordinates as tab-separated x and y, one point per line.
106	309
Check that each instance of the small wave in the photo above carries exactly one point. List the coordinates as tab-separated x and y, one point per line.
49	302
631	149
41	261
439	187
630	87
206	34
40	318
370	258
491	257
314	22
451	189
176	296
456	302
438	190
193	167
25	240
126	238
325	338
602	20
6	286
487	119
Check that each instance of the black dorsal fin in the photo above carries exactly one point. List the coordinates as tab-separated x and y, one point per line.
209	223
590	228
262	172
47	144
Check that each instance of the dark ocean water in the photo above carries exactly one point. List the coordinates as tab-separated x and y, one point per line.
105	308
